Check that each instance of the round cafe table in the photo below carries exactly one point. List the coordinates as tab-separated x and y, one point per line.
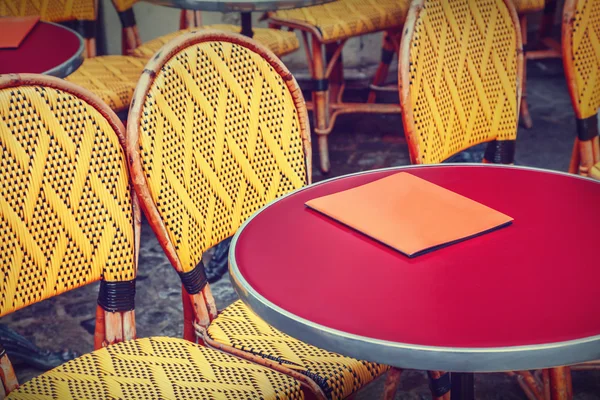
49	48
245	7
518	298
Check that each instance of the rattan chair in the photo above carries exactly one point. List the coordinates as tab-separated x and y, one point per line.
460	68
279	42
81	15
217	129
580	33
68	218
330	25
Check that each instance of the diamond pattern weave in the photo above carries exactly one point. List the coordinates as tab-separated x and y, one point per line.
338	376
585	56
65	205
343	19
159	368
50	10
219	138
278	41
112	78
463	76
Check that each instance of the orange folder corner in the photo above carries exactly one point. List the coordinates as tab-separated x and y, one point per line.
13	30
410	214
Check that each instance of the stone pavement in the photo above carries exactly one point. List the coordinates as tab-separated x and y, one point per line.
358	142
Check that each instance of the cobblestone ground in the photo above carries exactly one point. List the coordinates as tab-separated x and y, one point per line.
357	143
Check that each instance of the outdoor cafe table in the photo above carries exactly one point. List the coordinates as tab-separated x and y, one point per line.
245	7
521	297
49	48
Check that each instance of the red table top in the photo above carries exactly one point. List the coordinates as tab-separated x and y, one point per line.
534	282
44	48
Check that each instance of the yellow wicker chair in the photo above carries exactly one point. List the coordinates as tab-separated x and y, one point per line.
217	129
279	42
68	218
81	12
580	33
459	78
331	25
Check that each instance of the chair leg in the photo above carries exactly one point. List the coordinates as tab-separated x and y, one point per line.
8	379
130	39
439	384
336	77
190	19
525	116
575	158
531	386
392	381
547	22
560	383
188	317
387	55
320	98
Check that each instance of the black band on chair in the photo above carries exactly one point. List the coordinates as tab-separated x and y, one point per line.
117	296
194	281
2	351
387	56
587	128
320	85
127	18
500	152
440	386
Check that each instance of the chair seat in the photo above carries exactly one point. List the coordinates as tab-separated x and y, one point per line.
337	375
595	171
529	6
278	41
112	78
343	19
159	367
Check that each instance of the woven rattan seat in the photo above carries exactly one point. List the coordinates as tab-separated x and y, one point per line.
528	6
338	376
278	41
112	78
343	19
50	10
159	368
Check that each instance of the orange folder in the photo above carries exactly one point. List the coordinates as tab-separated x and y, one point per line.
14	29
410	214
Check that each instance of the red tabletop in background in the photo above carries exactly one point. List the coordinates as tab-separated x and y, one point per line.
46	47
533	282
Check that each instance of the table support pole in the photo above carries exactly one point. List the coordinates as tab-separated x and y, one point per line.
247	24
560	383
463	386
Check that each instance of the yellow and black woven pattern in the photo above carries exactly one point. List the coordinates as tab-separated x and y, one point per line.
278	41
338	376
219	138
50	10
595	172
529	6
585	56
463	76
112	78
159	368
343	19
65	205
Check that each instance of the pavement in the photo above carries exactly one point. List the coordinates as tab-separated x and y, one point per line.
357	143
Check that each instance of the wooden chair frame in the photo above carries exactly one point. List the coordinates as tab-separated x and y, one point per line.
327	72
586	150
111	327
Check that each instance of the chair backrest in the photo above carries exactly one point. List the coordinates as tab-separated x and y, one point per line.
460	69
68	216
51	10
581	59
217	129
